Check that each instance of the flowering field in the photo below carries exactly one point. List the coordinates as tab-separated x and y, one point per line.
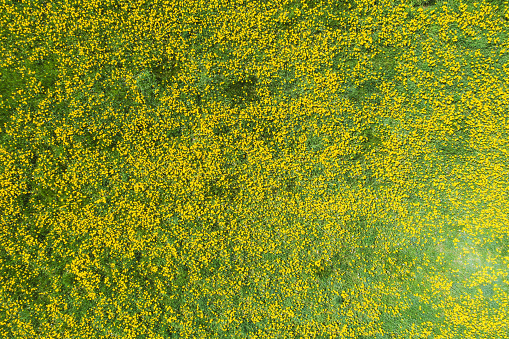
258	169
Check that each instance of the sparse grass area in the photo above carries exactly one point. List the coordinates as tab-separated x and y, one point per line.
303	169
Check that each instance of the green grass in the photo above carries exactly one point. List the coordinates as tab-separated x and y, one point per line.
234	93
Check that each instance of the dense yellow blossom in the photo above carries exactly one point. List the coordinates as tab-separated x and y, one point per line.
254	169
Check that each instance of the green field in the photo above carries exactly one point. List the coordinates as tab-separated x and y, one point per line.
254	169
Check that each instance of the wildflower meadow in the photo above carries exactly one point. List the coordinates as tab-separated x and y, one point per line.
254	169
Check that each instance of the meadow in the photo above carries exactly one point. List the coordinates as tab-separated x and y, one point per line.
254	169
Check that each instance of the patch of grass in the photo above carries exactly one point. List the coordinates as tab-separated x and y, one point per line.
337	14
241	92
165	72
385	61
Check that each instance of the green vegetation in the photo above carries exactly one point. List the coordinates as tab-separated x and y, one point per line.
293	169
